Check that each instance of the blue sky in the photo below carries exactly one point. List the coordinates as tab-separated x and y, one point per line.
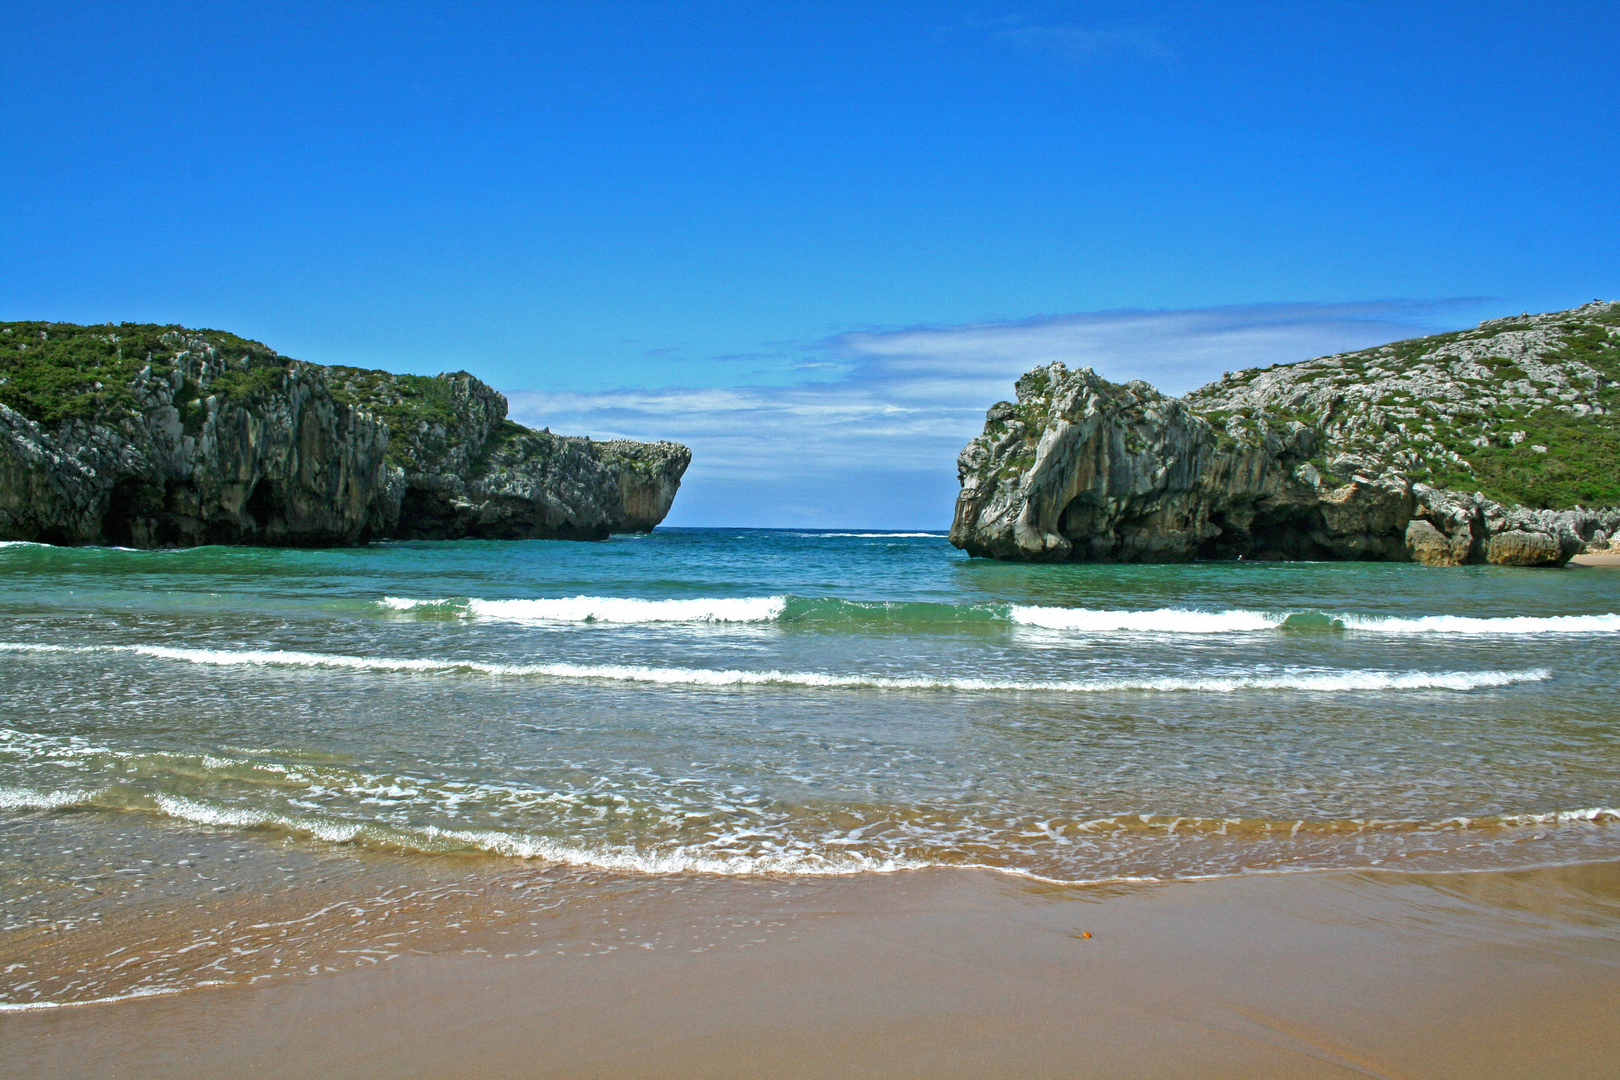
813	240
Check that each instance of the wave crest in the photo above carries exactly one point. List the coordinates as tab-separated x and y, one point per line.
1505	624
1162	620
618	610
604	609
1328	681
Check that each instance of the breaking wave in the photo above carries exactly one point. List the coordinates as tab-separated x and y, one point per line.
786	609
609	609
1163	620
1299	679
1506	624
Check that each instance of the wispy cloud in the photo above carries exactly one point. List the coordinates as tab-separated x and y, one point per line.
1174	350
873	440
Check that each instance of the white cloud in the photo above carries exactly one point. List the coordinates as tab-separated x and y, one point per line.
876	444
1175	350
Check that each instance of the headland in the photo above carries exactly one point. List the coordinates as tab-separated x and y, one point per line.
147	436
1493	445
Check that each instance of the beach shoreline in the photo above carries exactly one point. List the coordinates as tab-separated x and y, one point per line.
937	973
295	814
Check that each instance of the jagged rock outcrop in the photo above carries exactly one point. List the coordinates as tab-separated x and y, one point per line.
147	436
530	484
1335	458
470	472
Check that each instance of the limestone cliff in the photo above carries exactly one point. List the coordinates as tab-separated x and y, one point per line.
151	436
1423	450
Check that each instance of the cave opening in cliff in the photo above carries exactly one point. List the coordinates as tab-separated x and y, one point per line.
425	515
261	504
1283	533
133	509
1084	517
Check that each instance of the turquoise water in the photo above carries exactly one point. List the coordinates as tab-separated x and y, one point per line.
745	702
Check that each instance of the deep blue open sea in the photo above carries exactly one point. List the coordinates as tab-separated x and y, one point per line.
746	702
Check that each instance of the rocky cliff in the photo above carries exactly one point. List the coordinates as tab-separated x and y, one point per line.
154	436
1485	445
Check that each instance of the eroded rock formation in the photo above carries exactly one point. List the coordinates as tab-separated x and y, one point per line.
207	439
1309	461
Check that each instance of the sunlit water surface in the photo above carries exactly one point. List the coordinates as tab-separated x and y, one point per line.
180	728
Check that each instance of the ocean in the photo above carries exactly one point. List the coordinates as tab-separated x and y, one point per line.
222	765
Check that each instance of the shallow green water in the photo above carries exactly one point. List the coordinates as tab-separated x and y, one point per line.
741	701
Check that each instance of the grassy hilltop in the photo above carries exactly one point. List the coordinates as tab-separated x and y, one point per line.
57	373
1525	409
157	436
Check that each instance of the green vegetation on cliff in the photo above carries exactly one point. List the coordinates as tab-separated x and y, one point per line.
407	404
53	373
1525	410
56	373
161	436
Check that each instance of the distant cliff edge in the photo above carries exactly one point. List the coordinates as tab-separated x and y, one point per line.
1485	445
158	436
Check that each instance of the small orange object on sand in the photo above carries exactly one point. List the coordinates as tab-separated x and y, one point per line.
1085	933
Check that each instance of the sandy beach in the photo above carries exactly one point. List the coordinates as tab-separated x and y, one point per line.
941	973
1597	558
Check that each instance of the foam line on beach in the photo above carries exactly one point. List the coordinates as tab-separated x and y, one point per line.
1326	681
799	860
675	860
1597	815
432	838
133	995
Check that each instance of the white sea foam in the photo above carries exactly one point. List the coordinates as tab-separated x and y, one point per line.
618	609
143	992
405	603
199	813
1596	815
673	860
1462	624
29	742
1168	620
813	859
1330	681
1162	620
14	798
1186	621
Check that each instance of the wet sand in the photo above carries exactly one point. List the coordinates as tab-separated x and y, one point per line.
937	974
